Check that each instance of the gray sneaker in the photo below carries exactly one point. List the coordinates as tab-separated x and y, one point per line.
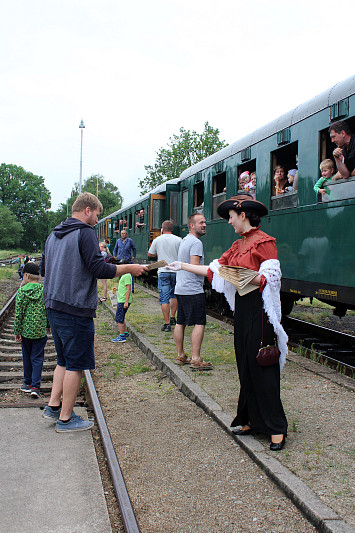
50	414
25	388
76	423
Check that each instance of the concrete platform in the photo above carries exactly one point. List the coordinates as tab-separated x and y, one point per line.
50	482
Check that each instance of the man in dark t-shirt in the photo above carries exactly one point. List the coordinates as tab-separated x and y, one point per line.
344	154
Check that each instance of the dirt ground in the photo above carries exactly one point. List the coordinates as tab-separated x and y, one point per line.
320	413
183	472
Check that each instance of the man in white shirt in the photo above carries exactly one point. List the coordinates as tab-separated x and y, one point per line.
166	247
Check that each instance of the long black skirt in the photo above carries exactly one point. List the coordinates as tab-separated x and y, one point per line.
259	401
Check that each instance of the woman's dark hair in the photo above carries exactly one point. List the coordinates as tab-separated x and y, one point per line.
254	219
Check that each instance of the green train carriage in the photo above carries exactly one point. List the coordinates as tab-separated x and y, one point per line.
314	239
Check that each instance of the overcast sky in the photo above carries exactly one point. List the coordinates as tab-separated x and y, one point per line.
136	71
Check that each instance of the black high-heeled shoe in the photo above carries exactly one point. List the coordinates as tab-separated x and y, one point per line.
276	446
241	432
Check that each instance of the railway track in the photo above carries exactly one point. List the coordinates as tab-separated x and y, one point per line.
11	378
326	346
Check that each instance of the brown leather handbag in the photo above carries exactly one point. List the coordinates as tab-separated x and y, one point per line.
267	355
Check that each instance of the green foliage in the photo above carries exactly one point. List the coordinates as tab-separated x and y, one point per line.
10	229
183	151
29	200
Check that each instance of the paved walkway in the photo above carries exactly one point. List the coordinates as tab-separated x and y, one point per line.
50	482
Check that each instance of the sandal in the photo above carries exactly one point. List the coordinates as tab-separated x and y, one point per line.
184	360
102	299
201	365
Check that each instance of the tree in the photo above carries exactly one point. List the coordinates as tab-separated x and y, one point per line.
183	151
107	192
28	199
10	229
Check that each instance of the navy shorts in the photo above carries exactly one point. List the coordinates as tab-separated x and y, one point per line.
166	286
120	313
73	339
191	310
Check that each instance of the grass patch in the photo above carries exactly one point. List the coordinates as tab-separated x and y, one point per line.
7	272
137	368
162	388
5	254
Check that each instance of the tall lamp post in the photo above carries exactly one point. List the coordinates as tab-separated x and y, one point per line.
81	126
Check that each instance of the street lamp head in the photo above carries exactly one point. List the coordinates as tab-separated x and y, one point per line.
81	125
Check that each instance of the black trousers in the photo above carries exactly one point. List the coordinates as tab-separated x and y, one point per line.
259	400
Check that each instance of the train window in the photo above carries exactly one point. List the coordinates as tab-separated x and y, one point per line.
198	197
116	227
157	213
284	177
246	178
218	192
185	204
174	197
339	189
139	220
130	221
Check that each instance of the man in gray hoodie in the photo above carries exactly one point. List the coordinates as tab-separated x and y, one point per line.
71	264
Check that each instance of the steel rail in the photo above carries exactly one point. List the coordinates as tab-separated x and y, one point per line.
128	517
7	307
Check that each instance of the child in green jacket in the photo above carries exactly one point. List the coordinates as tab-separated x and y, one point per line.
327	169
30	328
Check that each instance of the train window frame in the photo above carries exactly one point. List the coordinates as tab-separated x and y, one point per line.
184	206
341	189
249	166
283	156
174	201
140	229
198	195
219	183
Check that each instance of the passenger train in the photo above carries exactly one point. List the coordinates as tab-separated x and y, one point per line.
314	232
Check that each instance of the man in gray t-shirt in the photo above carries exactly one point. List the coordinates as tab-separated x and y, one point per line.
190	295
166	247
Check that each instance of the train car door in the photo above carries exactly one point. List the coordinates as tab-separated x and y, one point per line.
157	211
108	229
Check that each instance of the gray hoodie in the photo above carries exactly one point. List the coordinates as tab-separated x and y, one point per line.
71	264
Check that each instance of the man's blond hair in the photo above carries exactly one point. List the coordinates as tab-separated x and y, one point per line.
84	200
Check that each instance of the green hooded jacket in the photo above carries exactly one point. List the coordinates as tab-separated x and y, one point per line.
30	314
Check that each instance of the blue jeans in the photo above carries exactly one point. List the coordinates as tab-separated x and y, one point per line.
33	357
166	286
73	339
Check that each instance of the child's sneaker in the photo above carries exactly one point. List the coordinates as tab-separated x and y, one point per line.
25	388
119	339
76	423
35	392
126	334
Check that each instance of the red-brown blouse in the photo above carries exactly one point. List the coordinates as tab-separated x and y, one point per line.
250	251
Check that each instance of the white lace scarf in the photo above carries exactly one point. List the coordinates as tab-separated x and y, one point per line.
271	270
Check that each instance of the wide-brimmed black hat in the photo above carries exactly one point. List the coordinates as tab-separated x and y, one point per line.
31	268
241	202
